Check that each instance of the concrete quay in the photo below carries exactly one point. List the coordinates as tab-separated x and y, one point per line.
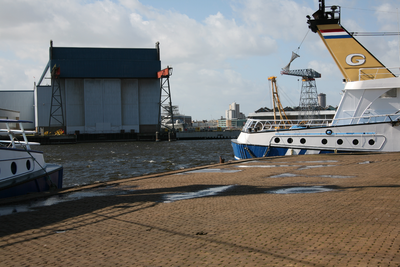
230	214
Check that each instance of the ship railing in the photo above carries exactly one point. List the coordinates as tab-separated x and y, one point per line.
12	133
259	125
394	117
377	73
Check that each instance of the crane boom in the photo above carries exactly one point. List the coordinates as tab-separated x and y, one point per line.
305	73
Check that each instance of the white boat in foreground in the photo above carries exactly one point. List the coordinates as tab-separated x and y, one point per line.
23	170
367	118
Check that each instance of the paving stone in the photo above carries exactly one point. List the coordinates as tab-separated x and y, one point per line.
355	224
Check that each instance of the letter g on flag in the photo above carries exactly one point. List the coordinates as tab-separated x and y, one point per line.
352	61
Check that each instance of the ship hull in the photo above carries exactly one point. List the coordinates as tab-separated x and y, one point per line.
374	137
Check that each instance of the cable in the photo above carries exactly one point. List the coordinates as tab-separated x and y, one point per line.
298	48
374	33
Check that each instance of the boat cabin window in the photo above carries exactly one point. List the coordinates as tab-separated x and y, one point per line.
390	94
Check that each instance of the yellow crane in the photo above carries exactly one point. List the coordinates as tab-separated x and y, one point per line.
277	106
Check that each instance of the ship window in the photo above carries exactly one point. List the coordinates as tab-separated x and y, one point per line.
13	168
290	140
339	141
324	141
371	142
277	140
390	94
28	165
355	142
303	140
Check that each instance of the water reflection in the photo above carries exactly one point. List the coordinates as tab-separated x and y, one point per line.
300	190
282	175
202	193
210	171
314	166
264	166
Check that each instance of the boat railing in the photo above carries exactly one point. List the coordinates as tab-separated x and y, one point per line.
394	117
377	73
263	125
259	125
12	133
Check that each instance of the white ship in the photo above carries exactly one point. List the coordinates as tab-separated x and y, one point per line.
367	118
23	170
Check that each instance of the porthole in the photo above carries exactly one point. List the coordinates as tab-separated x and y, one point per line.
339	141
13	168
28	165
303	140
328	132
324	141
355	142
371	142
290	140
277	140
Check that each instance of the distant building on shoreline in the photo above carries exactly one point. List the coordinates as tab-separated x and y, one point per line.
233	117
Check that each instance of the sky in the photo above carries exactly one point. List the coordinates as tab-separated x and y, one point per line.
221	51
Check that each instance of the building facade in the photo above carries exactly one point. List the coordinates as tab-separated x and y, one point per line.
92	90
233	117
99	90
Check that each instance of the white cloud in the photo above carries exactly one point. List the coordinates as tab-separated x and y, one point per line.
278	19
17	75
225	57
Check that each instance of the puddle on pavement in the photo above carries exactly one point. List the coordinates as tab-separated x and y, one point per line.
317	161
252	161
335	176
202	193
210	171
287	164
315	166
264	166
300	190
283	175
9	209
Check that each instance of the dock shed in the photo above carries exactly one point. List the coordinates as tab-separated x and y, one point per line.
99	90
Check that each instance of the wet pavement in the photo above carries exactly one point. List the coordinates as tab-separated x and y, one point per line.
310	210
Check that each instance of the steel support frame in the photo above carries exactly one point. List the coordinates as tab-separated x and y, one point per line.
308	99
56	118
166	103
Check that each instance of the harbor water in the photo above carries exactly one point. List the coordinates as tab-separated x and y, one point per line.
87	163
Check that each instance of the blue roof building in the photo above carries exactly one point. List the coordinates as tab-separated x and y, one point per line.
100	90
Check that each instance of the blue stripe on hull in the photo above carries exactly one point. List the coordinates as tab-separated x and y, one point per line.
251	151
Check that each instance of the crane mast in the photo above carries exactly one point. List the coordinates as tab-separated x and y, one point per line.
277	106
309	95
